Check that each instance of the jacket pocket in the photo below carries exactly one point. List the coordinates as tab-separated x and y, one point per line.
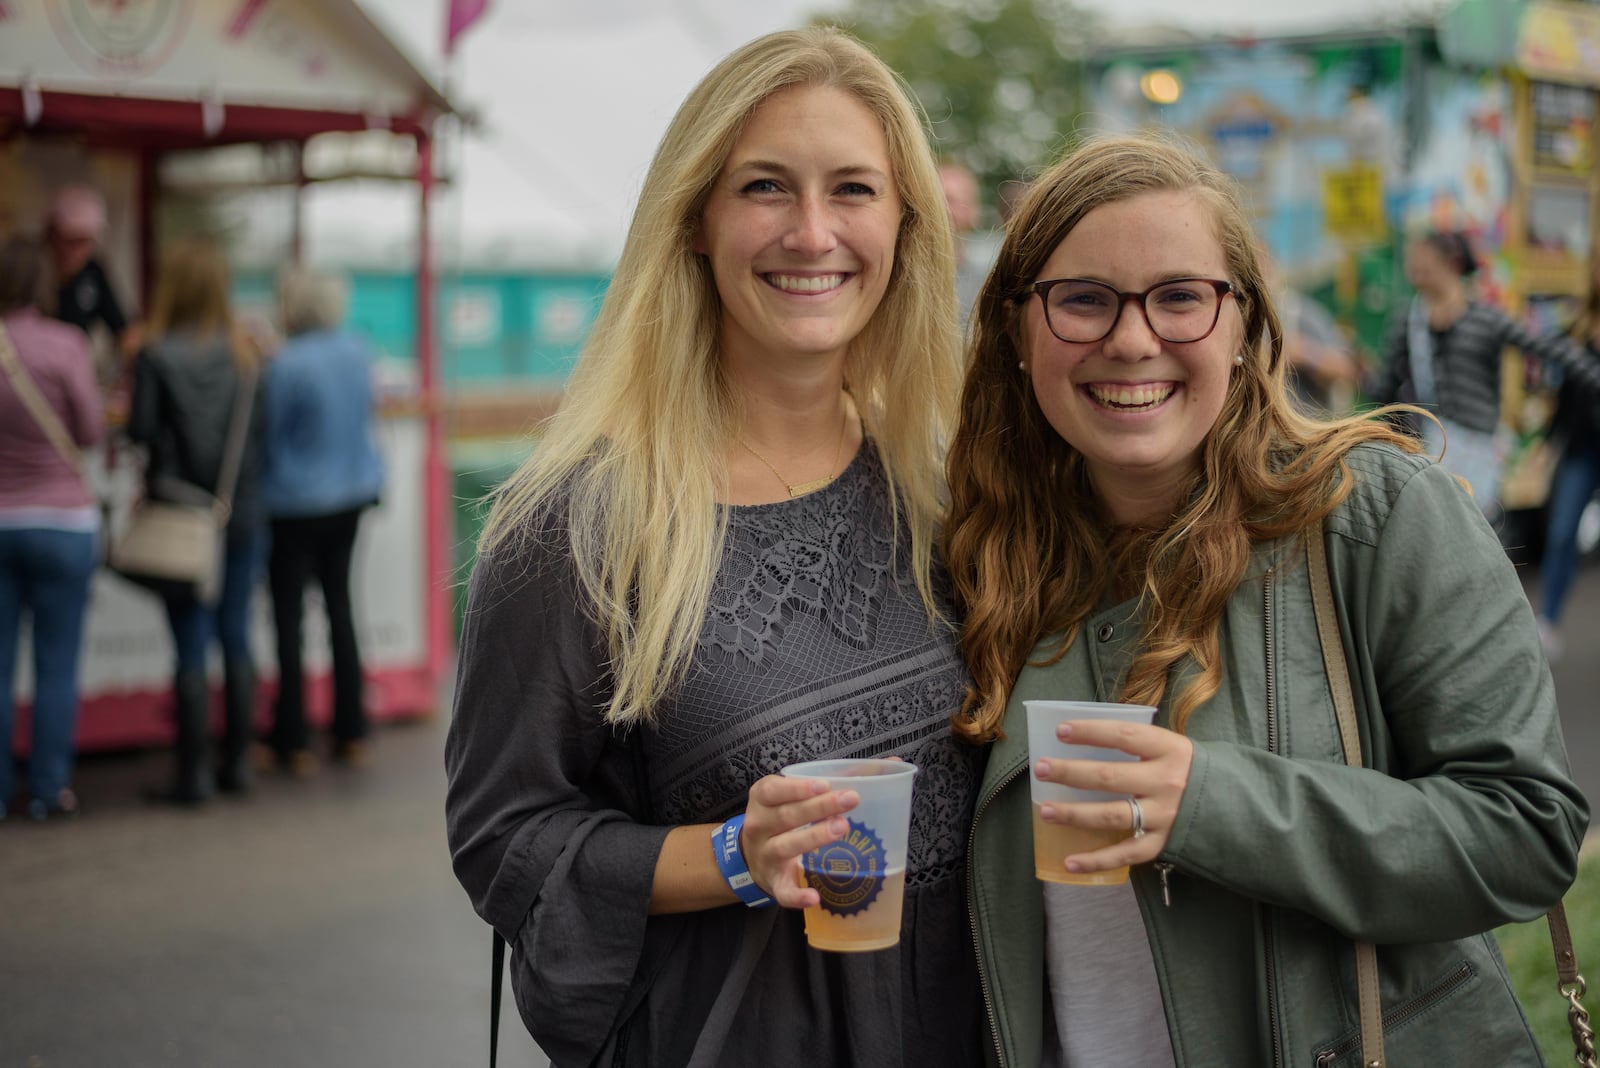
1348	1047
1467	1015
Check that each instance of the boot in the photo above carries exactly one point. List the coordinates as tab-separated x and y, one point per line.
191	782
239	707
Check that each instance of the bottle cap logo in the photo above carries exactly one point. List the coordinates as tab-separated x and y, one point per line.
847	874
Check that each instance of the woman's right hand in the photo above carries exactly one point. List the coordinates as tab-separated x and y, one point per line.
786	819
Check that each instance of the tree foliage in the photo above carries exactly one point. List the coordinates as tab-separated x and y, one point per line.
1001	80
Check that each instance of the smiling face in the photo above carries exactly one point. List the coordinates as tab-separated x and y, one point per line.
1137	408
800	228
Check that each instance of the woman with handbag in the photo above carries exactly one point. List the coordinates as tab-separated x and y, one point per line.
196	408
50	408
1138	511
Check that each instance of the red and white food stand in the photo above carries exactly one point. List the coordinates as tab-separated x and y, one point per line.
107	92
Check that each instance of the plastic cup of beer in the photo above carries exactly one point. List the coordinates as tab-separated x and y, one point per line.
861	878
1053	842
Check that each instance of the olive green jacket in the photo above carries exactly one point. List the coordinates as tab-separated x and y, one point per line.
1281	854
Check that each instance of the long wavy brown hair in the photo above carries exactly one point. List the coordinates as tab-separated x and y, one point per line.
1030	551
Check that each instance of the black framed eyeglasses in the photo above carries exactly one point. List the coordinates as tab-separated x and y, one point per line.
1083	311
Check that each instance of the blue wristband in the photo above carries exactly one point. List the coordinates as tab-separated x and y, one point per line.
730	861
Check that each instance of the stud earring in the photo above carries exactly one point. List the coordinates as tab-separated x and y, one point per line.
1022	367
1239	359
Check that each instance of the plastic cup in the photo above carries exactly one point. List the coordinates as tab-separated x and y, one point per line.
861	878
1052	842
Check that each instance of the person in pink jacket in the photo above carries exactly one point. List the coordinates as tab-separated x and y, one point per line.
49	522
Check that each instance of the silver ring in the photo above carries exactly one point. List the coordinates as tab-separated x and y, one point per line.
1138	817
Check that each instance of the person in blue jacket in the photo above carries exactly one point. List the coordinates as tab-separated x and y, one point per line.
322	470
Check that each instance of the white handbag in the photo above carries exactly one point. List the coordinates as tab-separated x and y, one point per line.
175	539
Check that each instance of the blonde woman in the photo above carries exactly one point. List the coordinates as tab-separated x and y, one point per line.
719	561
1132	499
186	380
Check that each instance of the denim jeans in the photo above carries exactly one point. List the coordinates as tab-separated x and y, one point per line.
1576	478
195	624
46	572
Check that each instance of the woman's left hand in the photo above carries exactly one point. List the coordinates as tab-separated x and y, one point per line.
1157	780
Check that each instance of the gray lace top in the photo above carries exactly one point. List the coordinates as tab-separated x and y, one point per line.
816	645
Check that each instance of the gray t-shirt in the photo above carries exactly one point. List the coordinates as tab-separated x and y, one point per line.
1104	999
816	645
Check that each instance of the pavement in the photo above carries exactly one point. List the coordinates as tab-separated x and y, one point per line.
316	924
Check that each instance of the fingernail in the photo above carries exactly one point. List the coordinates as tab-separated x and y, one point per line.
1074	866
1064	731
837	827
818	787
1047	812
849	799
1042	770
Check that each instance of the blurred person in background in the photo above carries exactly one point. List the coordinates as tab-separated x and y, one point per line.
718	562
83	293
186	379
1444	355
1576	430
973	254
1323	371
50	408
320	471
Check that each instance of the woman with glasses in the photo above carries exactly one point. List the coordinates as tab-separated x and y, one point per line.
1134	497
717	563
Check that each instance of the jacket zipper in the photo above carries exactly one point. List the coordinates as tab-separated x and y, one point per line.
1395	1017
1164	869
1270	951
972	912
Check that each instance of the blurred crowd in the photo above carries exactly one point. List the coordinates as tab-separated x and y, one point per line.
257	459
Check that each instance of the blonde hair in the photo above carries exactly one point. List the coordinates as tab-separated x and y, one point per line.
1029	552
309	299
631	468
191	296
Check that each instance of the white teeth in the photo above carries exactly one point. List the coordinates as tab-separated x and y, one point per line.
1131	396
811	284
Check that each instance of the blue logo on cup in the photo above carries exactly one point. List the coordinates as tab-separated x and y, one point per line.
848	873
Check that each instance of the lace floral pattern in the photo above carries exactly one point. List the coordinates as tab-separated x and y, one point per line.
814	556
817	645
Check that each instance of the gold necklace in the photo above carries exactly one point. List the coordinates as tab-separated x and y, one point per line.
800	489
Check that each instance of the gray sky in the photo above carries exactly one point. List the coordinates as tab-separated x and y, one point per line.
574	94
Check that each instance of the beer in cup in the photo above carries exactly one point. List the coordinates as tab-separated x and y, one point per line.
1053	842
861	877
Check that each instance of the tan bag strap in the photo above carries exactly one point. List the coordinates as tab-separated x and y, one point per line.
1570	984
28	392
233	449
1344	707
